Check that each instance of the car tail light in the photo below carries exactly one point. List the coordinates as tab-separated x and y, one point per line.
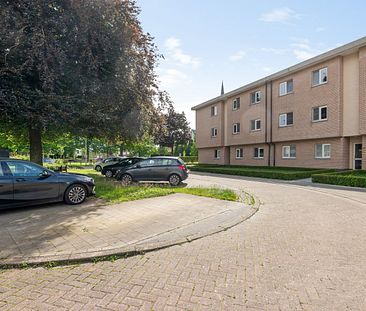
182	167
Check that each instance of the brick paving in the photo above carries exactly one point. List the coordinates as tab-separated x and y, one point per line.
303	250
61	232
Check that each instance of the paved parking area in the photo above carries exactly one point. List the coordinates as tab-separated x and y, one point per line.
64	233
303	250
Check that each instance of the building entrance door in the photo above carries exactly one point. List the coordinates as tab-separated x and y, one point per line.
358	157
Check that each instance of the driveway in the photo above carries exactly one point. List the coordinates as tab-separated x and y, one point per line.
303	250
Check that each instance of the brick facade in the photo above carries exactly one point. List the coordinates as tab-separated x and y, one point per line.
343	94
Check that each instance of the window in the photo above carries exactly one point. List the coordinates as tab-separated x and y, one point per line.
322	151
214	111
214	132
286	87
24	169
320	76
239	153
320	113
255	97
286	119
259	153
217	153
255	125
167	162
147	163
236	103
289	152
236	128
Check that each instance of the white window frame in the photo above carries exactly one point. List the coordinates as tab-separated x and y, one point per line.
236	103
319	82
215	111
236	128
287	155
285	91
256	128
320	113
257	156
323	156
241	153
257	97
285	115
217	154
214	132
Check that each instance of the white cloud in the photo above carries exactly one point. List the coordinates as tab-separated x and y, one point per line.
279	15
274	50
173	46
267	69
302	49
173	77
319	29
237	56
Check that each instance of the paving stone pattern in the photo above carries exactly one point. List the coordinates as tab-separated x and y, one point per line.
303	250
62	232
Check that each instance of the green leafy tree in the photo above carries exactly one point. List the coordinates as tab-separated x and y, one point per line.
174	129
84	67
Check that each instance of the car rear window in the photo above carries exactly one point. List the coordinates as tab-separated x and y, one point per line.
1	170
180	161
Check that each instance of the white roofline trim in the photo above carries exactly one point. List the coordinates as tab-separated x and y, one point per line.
340	51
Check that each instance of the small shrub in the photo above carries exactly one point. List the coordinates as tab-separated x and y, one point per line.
348	178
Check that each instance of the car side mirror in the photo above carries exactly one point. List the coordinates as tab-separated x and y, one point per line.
138	166
45	174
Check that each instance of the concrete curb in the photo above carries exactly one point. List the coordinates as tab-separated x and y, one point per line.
177	236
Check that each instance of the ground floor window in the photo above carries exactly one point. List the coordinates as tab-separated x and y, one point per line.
217	153
239	153
289	152
259	153
322	151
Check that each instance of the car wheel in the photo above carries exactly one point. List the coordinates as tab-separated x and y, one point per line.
126	180
75	194
98	168
109	174
174	180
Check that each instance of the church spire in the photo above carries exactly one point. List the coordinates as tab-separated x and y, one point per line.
222	88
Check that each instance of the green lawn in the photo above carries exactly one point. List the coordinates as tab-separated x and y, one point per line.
285	173
112	190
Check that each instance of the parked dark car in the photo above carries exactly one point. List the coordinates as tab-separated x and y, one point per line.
23	183
111	170
170	169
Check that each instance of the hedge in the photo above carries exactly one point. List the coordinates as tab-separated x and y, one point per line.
272	173
190	159
351	179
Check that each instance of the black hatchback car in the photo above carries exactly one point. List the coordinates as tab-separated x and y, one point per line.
111	170
170	169
23	183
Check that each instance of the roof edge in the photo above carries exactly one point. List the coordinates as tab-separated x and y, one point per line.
344	49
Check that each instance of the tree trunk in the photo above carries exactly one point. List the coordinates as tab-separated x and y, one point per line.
87	150
121	150
172	150
35	144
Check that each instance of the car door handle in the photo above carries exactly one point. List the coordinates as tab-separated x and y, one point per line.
20	179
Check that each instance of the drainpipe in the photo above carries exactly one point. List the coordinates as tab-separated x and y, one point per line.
266	124
271	123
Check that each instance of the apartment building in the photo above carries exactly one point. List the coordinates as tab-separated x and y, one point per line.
312	114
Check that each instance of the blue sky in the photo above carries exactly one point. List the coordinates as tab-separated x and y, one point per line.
239	41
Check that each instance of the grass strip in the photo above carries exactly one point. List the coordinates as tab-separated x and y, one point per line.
113	191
